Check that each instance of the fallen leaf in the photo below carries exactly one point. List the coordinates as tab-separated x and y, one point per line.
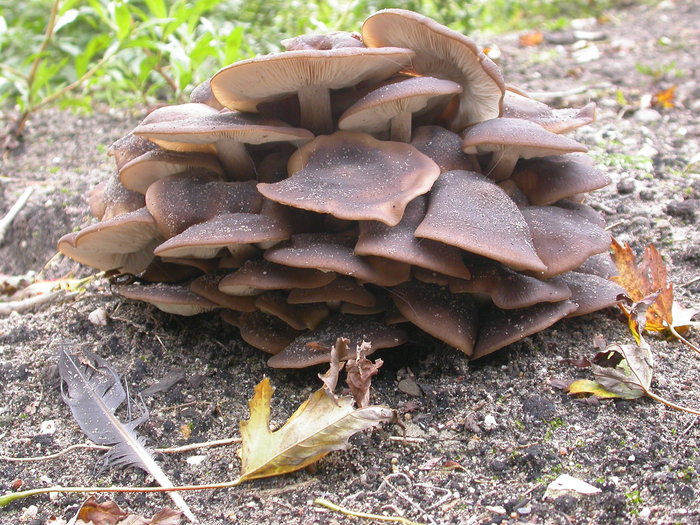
359	374
645	279
100	513
665	98
319	426
532	38
330	378
589	387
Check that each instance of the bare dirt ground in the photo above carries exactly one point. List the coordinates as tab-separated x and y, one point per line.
510	432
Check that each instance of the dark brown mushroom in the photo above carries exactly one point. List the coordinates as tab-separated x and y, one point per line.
173	299
354	176
469	211
256	276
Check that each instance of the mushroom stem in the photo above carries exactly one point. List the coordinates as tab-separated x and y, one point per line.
235	159
401	127
315	104
501	165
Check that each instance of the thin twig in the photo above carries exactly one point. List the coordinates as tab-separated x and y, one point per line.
405	497
169	450
6	221
348	512
683	339
670	404
28	304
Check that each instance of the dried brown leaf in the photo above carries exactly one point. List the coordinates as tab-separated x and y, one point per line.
330	378
359	374
100	513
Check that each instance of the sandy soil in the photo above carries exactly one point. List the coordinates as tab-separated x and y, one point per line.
499	419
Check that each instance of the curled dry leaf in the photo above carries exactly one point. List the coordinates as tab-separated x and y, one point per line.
359	374
330	378
641	280
100	512
320	425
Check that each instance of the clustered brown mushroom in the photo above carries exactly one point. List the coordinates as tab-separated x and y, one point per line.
350	186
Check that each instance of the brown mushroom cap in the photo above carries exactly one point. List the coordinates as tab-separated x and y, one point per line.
256	276
442	53
228	230
332	40
334	253
309	73
298	316
509	289
516	105
354	176
469	211
511	139
266	332
391	106
124	242
600	264
499	328
128	148
202	94
111	198
180	201
548	179
563	238
173	299
399	243
208	287
444	147
591	292
313	348
139	173
340	289
447	317
227	131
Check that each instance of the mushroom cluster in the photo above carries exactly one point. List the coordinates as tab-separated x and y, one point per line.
352	185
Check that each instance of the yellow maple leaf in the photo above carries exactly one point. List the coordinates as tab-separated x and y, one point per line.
664	98
320	425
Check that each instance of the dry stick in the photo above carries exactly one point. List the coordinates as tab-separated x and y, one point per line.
683	339
16	208
343	510
170	450
405	497
670	404
27	304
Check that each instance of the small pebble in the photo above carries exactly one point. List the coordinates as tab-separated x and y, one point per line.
625	186
647	115
489	423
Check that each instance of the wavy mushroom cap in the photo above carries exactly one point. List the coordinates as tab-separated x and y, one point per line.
442	53
354	176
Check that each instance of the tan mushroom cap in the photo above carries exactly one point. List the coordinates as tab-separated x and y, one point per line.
256	276
591	292
202	94
469	211
208	287
442	53
499	328
227	131
180	201
509	289
548	179
511	139
173	299
124	243
399	243
313	348
433	309
516	105
563	238
309	73
391	106
139	173
354	176
233	231
600	264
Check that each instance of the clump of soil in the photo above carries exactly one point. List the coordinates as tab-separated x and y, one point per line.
486	437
